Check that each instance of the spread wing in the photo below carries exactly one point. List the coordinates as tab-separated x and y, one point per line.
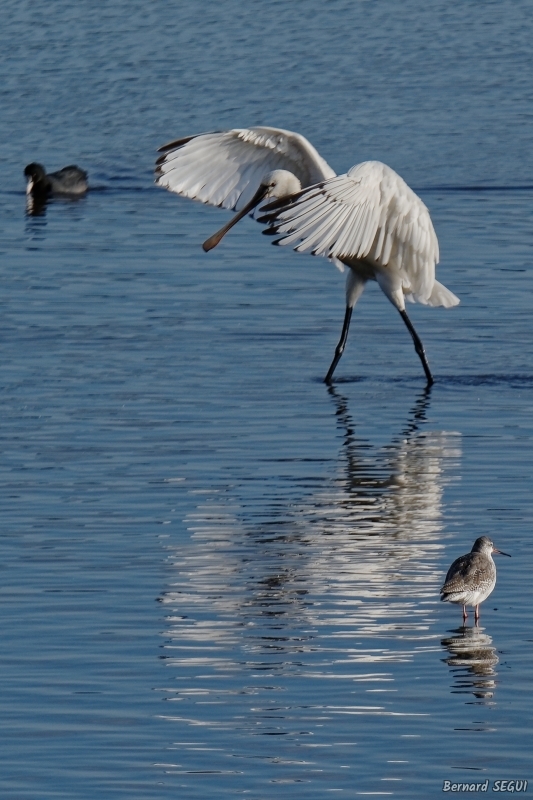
226	168
371	215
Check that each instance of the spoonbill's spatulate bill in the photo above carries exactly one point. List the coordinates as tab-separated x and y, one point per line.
368	220
472	577
69	181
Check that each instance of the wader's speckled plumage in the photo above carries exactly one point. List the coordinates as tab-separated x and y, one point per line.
472	577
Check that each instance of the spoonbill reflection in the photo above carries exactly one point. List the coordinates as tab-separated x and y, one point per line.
357	543
368	220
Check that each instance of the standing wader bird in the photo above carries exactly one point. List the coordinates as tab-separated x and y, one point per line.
472	577
368	220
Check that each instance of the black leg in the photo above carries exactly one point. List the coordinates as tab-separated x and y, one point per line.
341	345
418	347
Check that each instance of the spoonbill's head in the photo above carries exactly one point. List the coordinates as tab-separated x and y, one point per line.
278	183
35	173
486	546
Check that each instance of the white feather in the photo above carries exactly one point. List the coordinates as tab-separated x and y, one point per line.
369	215
225	168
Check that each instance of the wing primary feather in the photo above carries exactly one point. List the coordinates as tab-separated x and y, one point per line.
177	143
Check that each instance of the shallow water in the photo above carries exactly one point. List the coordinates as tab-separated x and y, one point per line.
220	577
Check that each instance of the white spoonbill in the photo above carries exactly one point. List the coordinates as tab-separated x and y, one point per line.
368	220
